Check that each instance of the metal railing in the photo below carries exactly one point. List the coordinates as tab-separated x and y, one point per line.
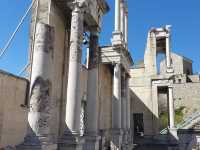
186	122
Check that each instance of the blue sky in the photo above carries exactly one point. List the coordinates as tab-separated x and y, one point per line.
183	15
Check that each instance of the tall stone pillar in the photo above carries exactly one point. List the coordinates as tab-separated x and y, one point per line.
116	109
117	15
168	55
117	34
126	27
123	102
171	107
122	19
172	129
123	110
128	124
40	117
91	134
71	139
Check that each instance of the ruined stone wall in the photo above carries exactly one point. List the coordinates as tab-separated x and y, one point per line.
187	67
13	117
187	95
177	64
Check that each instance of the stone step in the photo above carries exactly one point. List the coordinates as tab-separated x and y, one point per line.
151	147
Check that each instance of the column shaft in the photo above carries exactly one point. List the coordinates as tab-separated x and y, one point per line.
126	28
128	108
116	100
117	15
123	102
92	92
168	53
41	101
171	107
73	105
122	18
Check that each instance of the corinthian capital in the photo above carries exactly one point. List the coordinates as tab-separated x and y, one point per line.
78	4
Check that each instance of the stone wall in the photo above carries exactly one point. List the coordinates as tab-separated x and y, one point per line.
13	116
105	98
141	93
187	95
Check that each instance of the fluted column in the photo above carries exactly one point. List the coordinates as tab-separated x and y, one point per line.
92	139
116	109
40	117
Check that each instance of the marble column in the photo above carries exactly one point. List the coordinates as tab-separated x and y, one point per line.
117	15
91	134
123	102
168	55
116	109
172	129
168	52
126	27
171	107
117	34
40	117
122	19
123	110
128	108
71	139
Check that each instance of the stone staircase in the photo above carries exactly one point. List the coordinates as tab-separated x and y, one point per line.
158	142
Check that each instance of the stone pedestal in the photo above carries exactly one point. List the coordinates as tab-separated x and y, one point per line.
91	142
173	136
117	39
116	142
41	135
71	142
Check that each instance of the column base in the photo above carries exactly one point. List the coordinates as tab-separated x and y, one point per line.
71	142
117	39
170	70
173	136
116	142
91	142
37	143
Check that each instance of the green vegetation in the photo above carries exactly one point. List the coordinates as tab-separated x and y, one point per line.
164	117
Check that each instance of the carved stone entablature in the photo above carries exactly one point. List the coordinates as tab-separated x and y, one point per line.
110	55
93	10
